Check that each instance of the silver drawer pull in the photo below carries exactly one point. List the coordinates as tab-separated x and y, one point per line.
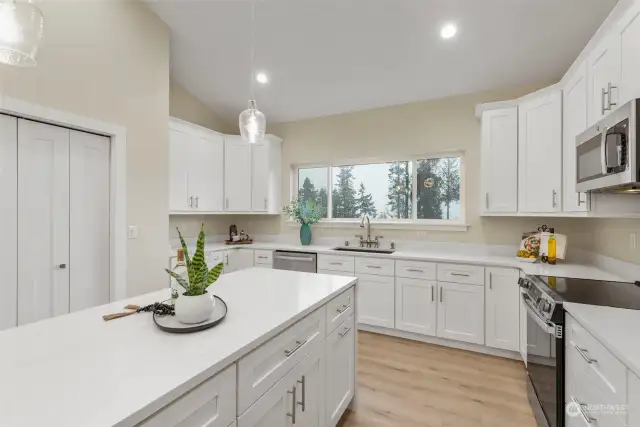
460	274
415	270
374	266
299	344
587	419
583	352
262	257
292	414
335	263
344	308
303	383
345	332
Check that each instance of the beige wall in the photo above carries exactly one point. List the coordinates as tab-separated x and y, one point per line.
109	60
611	238
183	105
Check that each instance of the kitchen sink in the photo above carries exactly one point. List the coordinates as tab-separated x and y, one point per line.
366	250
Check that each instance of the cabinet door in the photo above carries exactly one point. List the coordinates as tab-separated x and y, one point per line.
416	306
604	70
634	400
540	154
574	122
502	296
628	32
461	312
178	171
43	221
206	173
238	259
310	389
272	409
341	370
8	221
375	300
500	160
237	174
260	170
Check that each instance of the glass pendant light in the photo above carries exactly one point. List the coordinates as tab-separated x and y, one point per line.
21	28
253	124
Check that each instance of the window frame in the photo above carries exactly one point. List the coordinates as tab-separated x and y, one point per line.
411	223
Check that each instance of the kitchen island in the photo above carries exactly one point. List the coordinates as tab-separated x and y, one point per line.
78	370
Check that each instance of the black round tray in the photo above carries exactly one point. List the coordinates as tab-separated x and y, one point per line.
173	325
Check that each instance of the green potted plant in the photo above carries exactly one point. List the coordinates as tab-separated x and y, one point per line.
305	214
195	304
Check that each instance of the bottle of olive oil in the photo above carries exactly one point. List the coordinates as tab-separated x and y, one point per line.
551	251
181	270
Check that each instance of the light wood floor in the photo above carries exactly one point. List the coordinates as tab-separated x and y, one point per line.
406	383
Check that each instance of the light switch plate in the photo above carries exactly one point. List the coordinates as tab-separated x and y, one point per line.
132	232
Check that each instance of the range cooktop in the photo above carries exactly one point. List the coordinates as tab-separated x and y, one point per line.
594	292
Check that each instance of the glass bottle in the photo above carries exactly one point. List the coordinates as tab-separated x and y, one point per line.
181	270
551	253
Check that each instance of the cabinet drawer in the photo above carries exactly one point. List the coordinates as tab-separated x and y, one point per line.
416	270
607	375
214	258
377	266
336	263
211	404
460	273
263	257
339	309
337	273
263	367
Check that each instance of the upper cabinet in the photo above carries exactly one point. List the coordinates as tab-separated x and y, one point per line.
604	77
628	34
214	173
499	157
574	119
540	153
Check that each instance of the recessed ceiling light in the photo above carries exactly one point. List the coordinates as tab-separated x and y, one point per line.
262	78
448	31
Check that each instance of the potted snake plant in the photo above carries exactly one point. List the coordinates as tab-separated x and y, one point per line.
195	304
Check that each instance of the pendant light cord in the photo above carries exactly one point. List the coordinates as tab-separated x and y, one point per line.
253	48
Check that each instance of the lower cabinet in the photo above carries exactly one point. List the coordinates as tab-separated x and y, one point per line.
416	306
340	368
461	312
297	399
237	259
502	296
375	300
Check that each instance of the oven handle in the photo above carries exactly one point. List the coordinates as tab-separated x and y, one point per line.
547	327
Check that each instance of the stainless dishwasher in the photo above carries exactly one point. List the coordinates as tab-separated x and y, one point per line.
295	261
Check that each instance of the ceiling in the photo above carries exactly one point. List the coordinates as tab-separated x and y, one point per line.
328	57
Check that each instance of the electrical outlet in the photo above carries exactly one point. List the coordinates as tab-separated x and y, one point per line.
633	241
132	232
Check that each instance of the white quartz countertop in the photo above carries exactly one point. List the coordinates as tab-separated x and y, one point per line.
78	370
615	328
563	269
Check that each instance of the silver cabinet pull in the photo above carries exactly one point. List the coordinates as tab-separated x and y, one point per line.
289	353
226	203
609	92
374	266
579	199
226	259
583	352
292	414
603	108
345	332
190	201
62	266
343	308
303	383
197	202
265	208
553	198
587	419
432	294
460	274
486	200
262	257
294	258
415	270
440	294
335	263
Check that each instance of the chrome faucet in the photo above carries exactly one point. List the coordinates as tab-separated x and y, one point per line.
376	242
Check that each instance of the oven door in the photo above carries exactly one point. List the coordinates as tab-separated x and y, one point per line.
542	368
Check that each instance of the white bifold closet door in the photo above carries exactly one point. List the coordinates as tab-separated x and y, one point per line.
63	221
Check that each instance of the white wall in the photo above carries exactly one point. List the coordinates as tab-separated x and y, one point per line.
109	60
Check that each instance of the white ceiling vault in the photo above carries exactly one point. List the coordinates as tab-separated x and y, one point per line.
328	57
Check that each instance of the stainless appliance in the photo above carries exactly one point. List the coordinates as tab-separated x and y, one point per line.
607	157
543	297
295	261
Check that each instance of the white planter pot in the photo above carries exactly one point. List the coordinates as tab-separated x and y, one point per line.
194	309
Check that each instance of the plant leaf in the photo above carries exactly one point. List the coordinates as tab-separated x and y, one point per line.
214	273
179	279
198	263
187	260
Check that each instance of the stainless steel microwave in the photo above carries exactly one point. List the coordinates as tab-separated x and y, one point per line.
607	158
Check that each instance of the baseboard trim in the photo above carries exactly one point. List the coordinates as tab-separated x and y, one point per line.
476	348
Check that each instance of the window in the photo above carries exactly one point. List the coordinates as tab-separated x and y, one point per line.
421	190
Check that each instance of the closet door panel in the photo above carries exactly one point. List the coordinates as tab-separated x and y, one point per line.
43	221
89	249
8	221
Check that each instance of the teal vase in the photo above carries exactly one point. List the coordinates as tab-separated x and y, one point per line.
305	234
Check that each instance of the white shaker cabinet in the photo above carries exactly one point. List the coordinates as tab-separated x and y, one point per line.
237	259
265	175
604	75
416	306
461	312
574	116
310	389
499	160
341	371
540	154
502	296
237	174
375	300
8	221
628	37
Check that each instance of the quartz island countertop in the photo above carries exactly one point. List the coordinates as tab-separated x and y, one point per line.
78	370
